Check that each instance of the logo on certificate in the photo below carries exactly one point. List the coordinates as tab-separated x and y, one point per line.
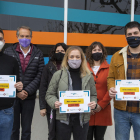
79	109
63	94
85	94
11	79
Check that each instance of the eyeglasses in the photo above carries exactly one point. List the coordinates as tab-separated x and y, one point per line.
1	38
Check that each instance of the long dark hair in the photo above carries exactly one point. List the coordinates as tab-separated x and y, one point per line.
89	52
51	56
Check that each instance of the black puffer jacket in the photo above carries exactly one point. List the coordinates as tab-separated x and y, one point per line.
47	74
32	75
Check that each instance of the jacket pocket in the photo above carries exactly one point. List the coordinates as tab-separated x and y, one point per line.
8	111
119	67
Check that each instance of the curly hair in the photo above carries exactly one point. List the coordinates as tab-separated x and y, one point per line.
89	58
51	55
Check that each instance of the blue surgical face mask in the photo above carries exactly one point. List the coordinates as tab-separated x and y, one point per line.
133	41
75	64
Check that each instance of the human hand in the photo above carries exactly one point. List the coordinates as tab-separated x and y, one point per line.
22	95
112	92
92	112
98	109
19	86
57	104
43	112
92	105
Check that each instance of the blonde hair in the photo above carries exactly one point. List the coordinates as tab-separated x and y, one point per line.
83	68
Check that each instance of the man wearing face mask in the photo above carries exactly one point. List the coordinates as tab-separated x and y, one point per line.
9	66
125	65
31	62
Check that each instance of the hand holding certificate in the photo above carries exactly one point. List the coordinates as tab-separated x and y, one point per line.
128	90
74	101
7	88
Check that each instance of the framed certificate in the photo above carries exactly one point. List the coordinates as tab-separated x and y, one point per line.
74	101
128	90
7	89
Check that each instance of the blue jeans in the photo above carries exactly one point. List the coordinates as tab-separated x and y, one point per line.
123	122
6	123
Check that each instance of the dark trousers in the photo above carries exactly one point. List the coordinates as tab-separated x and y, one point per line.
63	131
97	131
25	110
48	120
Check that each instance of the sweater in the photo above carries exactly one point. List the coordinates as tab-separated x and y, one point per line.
76	79
9	66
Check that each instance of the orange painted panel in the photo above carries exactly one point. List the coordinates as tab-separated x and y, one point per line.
49	38
108	40
77	39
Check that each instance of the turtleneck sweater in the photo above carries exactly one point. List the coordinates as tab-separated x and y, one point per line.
8	66
76	78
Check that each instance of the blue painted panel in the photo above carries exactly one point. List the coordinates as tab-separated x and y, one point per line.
46	60
96	17
56	13
29	10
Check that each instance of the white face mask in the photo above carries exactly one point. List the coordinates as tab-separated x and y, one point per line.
1	45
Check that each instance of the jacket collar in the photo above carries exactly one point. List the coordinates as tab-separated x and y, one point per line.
19	50
104	65
52	67
85	79
123	50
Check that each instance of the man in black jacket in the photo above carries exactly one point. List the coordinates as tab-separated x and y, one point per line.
31	62
9	66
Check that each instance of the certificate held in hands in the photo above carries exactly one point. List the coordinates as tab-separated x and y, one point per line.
7	89
128	90
74	101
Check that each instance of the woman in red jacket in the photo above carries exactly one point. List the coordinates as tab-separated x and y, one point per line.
101	117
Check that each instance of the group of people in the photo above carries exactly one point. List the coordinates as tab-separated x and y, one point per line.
69	69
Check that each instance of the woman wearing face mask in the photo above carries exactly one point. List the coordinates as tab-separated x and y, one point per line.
101	117
74	75
54	64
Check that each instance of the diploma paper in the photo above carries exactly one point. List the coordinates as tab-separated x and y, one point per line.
7	88
128	90
74	101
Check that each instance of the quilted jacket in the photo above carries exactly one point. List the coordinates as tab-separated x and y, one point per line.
61	84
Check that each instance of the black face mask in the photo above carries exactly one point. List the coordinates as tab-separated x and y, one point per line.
133	41
59	56
97	56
